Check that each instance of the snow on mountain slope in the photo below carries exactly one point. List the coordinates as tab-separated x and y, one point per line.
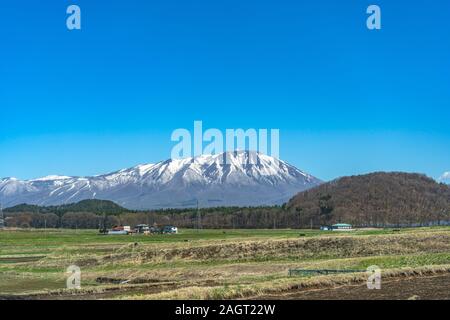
172	184
445	178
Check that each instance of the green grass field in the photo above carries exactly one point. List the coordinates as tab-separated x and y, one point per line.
203	263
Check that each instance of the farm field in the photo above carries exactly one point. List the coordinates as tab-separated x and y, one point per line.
224	264
435	287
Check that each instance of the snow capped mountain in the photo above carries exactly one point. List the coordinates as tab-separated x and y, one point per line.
172	184
445	178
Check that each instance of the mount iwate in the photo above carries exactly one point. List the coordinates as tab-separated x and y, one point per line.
171	184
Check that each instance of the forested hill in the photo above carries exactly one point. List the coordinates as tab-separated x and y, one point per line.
375	199
92	206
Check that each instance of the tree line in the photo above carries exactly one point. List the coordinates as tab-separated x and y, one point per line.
245	218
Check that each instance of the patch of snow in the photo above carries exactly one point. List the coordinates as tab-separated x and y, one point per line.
445	177
52	178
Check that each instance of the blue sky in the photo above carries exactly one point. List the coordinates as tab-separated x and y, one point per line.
347	100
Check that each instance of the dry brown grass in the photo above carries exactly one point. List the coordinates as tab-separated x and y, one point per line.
339	246
285	285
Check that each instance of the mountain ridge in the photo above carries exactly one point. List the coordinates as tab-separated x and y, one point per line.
172	183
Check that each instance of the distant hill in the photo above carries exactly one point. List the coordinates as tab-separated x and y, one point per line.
375	199
92	206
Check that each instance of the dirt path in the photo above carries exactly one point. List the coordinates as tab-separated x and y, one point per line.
20	259
106	294
420	288
109	293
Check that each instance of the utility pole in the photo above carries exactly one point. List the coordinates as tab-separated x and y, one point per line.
105	221
199	217
58	212
2	217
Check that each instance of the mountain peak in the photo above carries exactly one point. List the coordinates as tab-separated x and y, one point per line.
246	178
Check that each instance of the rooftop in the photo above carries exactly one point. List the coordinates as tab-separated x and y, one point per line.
342	225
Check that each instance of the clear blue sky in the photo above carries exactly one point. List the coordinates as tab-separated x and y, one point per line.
346	100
